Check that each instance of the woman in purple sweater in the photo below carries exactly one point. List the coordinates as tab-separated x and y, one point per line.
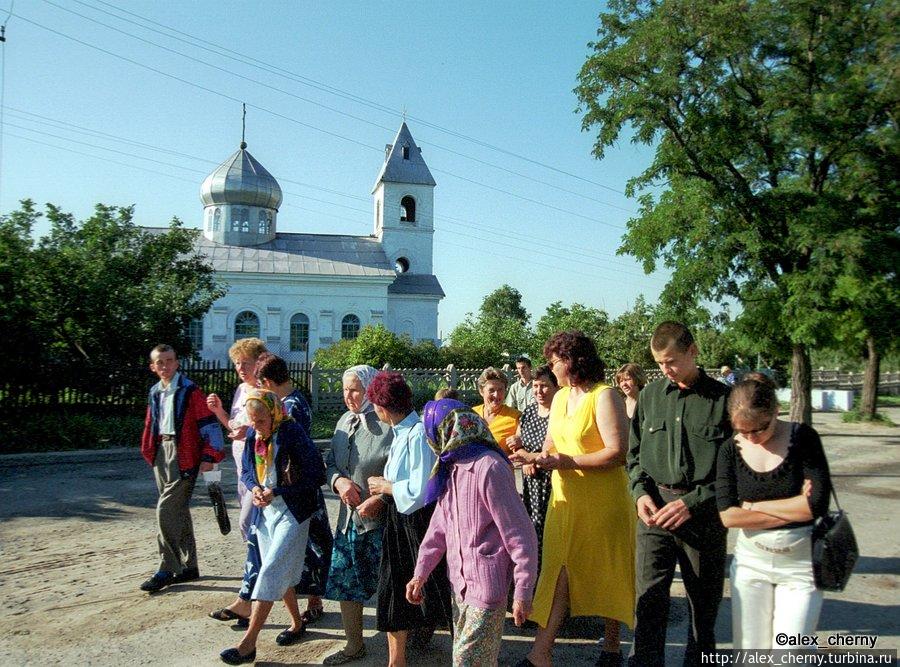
481	525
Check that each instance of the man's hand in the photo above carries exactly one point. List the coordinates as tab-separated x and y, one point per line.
520	611
380	485
370	508
646	510
206	466
348	491
672	515
414	590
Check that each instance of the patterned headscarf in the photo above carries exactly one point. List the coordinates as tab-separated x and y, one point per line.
455	433
264	447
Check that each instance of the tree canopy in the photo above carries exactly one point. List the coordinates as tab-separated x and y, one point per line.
774	124
99	293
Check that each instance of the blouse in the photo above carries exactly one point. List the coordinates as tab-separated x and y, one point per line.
737	482
503	425
409	464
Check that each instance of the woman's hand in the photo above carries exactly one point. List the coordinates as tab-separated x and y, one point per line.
214	403
521	609
414	591
238	433
371	507
380	485
514	442
554	461
348	491
529	470
521	457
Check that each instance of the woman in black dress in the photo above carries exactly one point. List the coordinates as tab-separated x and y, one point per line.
530	437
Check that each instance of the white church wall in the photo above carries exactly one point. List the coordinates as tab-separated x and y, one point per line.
413	240
415	315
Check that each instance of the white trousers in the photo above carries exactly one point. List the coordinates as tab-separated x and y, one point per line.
772	586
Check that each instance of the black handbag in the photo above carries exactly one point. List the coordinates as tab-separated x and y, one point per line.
834	549
218	503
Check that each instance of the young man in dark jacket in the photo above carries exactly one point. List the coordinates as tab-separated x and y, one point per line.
181	438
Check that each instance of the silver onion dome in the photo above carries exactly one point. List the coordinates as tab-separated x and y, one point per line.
241	180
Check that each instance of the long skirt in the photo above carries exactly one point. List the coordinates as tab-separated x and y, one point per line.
400	548
282	545
354	565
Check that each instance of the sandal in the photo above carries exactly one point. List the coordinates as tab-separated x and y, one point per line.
225	614
311	615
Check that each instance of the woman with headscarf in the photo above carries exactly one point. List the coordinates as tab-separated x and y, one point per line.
481	525
407	513
359	450
282	470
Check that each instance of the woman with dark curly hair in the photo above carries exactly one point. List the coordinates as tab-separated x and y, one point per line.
588	551
407	516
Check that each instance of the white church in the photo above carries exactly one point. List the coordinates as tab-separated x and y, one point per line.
300	292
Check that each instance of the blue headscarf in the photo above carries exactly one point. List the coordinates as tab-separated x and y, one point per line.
455	433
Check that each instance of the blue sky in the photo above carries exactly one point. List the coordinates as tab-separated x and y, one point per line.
82	126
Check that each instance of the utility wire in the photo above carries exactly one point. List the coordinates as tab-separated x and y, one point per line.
46	120
318	85
3	85
326	107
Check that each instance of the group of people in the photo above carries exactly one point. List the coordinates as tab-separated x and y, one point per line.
619	487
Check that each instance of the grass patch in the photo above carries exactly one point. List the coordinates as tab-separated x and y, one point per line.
61	432
323	424
856	417
885	401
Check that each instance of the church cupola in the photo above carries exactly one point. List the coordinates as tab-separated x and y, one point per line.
404	205
240	201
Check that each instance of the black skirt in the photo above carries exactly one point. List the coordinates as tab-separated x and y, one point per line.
403	533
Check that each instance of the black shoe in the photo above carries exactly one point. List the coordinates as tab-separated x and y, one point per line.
608	659
233	657
187	574
287	636
158	582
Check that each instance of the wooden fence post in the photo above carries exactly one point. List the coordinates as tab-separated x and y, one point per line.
314	386
454	376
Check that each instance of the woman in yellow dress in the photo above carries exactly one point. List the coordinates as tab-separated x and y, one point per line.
588	552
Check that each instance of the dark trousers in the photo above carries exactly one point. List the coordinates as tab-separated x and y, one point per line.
698	548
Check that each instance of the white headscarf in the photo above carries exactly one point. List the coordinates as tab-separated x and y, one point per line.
365	374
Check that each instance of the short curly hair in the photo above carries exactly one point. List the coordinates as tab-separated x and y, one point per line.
252	348
585	365
491	374
390	391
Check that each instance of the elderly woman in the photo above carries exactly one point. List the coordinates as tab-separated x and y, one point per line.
282	470
481	526
359	450
772	483
402	487
530	438
588	560
272	373
243	354
501	419
630	379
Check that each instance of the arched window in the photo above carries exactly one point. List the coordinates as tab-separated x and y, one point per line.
405	152
265	222
209	215
407	209
246	325
299	332
195	334
217	219
350	326
245	219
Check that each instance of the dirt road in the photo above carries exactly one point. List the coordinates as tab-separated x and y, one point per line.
78	537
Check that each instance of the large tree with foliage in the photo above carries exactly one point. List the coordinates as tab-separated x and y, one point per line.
103	291
377	346
495	336
763	115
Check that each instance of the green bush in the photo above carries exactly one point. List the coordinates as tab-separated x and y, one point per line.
58	432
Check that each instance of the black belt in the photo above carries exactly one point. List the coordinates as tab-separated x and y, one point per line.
674	489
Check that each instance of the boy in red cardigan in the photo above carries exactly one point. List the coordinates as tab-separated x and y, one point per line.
181	438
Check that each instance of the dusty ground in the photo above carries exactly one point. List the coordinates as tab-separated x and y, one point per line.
78	537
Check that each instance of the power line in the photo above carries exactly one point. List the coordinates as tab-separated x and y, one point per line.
326	107
327	88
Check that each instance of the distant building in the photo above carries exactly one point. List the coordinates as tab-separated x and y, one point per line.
300	292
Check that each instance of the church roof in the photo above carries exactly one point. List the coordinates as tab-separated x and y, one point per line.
241	179
408	169
412	283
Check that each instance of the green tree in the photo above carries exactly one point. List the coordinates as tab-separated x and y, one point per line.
628	337
765	116
593	322
505	302
106	290
377	346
